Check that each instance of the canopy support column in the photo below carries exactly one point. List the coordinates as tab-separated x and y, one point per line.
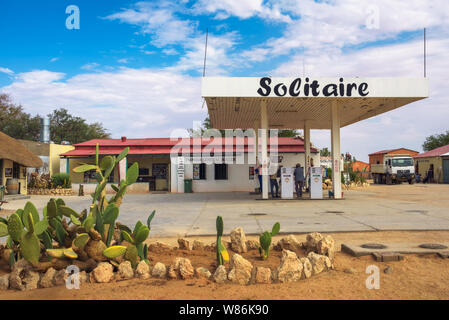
264	141
336	154
307	161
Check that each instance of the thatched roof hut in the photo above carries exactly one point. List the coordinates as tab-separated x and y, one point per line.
13	150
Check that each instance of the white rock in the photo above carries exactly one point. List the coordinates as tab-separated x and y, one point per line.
103	273
159	270
181	268
47	278
262	275
238	240
198	245
307	269
290	268
326	246
289	243
143	270
125	271
202	273
4	282
220	275
312	240
240	270
319	262
184	244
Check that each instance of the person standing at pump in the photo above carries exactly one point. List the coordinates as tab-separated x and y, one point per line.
258	171
274	184
299	179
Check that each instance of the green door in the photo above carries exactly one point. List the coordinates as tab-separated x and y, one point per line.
446	170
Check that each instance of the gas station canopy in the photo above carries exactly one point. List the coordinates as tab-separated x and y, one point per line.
235	102
304	103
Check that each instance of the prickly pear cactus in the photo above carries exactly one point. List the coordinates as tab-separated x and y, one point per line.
265	240
222	253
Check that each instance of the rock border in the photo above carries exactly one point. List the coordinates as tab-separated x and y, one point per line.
320	255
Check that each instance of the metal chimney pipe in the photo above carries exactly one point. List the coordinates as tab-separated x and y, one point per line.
45	130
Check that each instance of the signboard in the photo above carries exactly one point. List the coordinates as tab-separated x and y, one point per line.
180	173
287	182
251	173
316	183
196	172
315	87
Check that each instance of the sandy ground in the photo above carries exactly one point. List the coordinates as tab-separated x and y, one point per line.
416	277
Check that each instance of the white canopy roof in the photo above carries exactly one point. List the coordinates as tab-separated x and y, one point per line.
234	102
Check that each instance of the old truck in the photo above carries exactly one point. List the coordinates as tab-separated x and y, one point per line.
395	168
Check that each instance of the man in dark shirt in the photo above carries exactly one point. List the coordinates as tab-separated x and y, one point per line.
299	179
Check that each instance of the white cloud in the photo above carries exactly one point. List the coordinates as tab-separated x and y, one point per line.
324	26
243	9
123	60
404	127
159	21
54	59
90	66
6	70
170	52
132	102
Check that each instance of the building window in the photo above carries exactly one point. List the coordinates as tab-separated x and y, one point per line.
199	171
144	172
89	176
221	171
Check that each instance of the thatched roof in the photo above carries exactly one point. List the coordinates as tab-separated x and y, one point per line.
13	150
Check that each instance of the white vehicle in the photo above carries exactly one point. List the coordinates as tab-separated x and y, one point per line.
394	169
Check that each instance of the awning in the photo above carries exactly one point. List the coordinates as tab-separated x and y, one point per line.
234	102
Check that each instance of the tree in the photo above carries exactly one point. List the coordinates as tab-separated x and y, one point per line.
325	152
207	125
16	123
65	127
288	133
436	141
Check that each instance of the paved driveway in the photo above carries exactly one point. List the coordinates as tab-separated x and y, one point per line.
401	207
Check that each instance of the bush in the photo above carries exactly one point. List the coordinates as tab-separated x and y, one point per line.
61	180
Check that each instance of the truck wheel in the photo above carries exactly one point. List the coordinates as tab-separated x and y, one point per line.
388	180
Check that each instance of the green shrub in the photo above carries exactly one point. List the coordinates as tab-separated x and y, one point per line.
61	180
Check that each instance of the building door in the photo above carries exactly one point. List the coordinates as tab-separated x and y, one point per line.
160	172
446	170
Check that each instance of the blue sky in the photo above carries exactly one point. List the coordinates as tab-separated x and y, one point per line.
136	65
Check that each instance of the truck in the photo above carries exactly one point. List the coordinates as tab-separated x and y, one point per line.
395	169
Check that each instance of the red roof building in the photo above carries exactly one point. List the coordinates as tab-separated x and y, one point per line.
158	157
165	146
434	162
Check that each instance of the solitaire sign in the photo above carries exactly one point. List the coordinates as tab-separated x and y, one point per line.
312	88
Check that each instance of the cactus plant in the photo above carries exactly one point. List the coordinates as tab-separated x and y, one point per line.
78	235
222	253
265	240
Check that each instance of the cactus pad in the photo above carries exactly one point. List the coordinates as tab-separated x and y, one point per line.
114	251
30	247
15	227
